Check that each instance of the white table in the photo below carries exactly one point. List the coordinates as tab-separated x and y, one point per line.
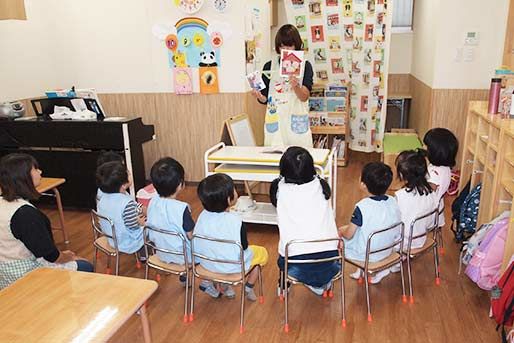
256	164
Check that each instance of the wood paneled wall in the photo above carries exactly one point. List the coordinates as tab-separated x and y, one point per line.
12	9
441	108
399	84
508	50
185	126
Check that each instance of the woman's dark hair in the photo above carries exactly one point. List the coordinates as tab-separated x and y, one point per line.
110	176
411	167
167	174
442	147
16	178
288	35
215	191
297	166
108	156
377	177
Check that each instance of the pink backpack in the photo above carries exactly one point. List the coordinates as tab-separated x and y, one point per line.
484	267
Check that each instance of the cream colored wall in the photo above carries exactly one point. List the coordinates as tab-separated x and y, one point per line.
400	58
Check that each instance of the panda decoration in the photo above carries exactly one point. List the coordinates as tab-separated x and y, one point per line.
208	59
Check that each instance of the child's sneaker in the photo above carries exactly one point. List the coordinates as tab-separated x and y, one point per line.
227	291
250	293
357	274
208	287
316	290
379	276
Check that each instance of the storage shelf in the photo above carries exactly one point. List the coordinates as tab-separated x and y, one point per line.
493	147
484	138
508	185
328	130
509	159
471	150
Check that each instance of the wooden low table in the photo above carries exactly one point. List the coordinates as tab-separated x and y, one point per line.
51	183
55	305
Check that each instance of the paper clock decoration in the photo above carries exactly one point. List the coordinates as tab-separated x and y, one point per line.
220	5
189	6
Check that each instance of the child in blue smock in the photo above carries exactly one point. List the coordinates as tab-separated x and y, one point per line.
217	194
166	212
375	212
116	204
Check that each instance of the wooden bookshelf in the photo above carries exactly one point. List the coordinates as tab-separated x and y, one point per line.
488	158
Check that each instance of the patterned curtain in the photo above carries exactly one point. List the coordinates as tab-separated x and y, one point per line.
348	41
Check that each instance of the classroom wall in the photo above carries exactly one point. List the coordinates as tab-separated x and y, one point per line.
109	45
400	58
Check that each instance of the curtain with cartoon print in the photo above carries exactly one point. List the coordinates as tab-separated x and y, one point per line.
348	41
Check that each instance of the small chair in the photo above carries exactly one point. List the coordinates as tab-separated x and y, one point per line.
430	243
153	260
285	277
369	267
101	242
230	279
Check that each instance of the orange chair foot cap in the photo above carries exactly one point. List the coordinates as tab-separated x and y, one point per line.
437	281
286	328
108	271
412	299
261	300
241	329
331	294
191	318
343	323
158	277
404	298
360	281
138	265
325	294
186	318
370	319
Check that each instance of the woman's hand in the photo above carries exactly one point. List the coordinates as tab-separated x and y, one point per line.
258	95
293	81
66	256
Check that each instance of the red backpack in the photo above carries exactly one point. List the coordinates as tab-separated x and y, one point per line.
502	300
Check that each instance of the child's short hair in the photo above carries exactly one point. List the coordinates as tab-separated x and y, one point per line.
110	176
16	178
215	191
377	177
411	167
167	175
108	156
288	35
442	147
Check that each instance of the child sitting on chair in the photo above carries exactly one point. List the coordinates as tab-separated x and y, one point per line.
375	212
117	205
304	213
217	194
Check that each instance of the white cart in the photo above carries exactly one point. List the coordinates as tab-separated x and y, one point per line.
249	163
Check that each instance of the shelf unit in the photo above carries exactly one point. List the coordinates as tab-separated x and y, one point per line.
488	157
340	131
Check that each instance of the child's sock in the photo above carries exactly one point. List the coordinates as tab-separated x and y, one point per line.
250	293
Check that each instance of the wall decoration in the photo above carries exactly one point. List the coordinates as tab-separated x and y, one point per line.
300	23
220	5
209	80
255	80
183	80
354	51
317	33
189	6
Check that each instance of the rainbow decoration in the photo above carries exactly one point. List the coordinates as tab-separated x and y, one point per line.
191	22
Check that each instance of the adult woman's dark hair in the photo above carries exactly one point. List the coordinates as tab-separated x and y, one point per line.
411	167
297	166
16	177
288	35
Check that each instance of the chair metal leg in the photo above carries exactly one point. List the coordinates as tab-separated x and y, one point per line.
404	296
366	284
409	272
441	241
61	214
94	259
146	271
241	324
186	319
261	290
343	300
192	297
286	298
282	285
436	264
117	264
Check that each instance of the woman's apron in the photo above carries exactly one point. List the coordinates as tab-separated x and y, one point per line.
287	118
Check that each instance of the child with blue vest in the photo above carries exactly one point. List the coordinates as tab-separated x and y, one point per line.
117	205
217	194
375	212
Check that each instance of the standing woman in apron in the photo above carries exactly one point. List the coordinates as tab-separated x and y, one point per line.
287	113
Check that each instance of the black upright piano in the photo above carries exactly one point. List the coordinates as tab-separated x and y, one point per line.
69	149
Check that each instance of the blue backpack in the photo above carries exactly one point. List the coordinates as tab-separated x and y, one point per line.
468	215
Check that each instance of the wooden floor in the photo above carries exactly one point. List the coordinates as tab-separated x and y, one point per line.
455	311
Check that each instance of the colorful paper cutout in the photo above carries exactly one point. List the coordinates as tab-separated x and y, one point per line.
317	33
291	63
255	80
171	42
183	81
209	80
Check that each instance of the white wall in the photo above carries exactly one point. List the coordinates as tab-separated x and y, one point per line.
456	18
107	45
400	58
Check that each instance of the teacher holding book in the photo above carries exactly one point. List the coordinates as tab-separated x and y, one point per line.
287	92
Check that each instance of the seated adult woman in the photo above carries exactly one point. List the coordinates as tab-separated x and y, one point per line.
26	240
